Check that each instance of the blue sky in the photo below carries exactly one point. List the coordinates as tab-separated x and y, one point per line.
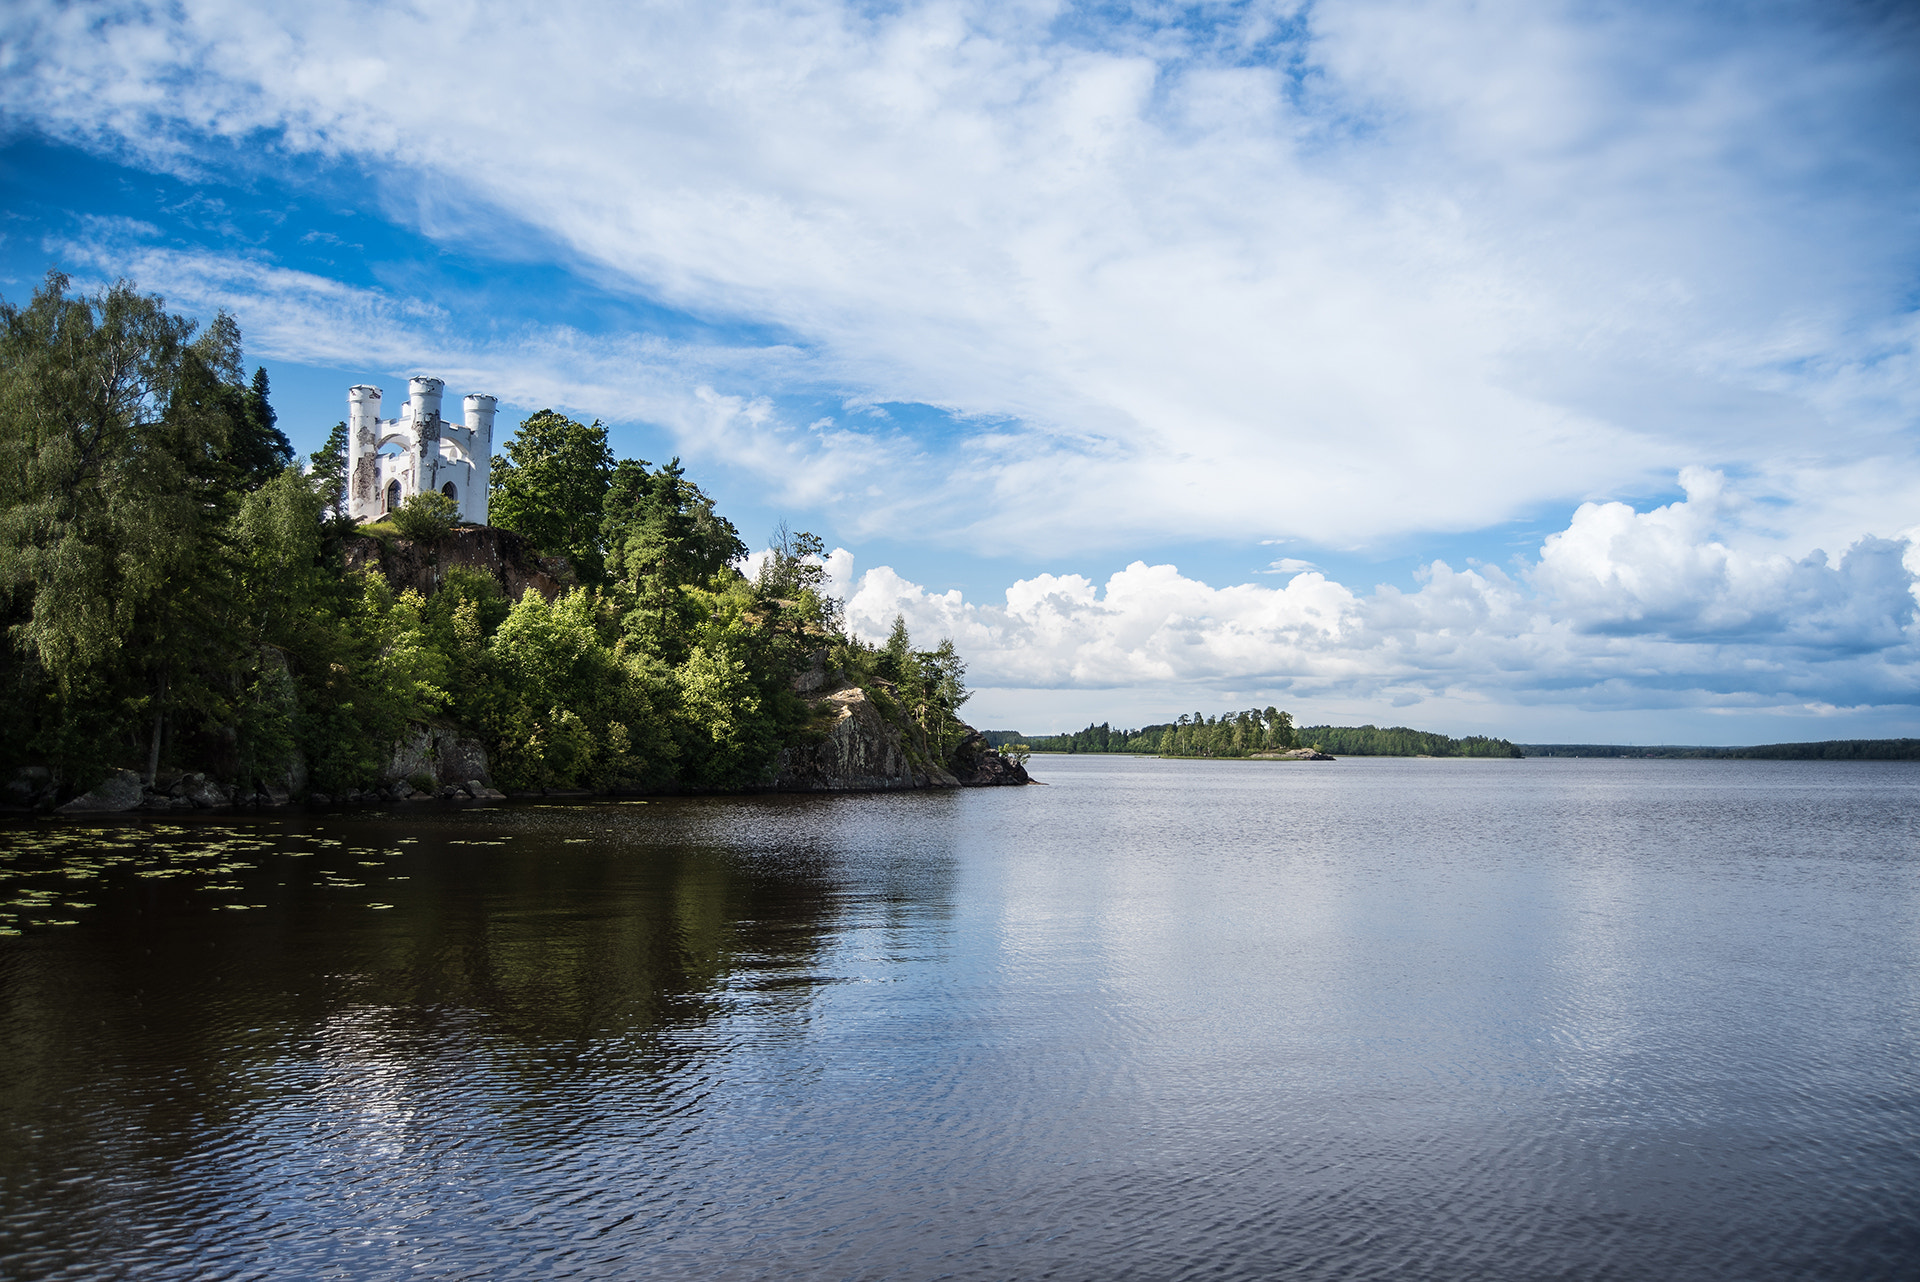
1535	369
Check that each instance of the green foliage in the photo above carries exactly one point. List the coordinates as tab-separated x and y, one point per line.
172	591
561	707
330	470
732	743
1232	734
115	484
1242	734
426	517
551	486
1400	741
259	450
664	542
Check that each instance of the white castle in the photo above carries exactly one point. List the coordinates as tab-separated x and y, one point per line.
417	453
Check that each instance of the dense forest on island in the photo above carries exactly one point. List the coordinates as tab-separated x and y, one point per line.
1230	734
1255	731
1400	741
179	591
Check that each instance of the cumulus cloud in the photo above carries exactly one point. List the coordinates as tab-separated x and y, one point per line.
1621	609
1341	271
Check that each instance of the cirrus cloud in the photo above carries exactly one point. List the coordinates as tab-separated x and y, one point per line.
1345	272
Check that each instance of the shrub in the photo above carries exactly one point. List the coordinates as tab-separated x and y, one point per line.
426	517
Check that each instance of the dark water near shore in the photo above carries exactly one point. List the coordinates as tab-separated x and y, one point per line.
1595	1019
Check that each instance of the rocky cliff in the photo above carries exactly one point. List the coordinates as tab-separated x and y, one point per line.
859	742
506	556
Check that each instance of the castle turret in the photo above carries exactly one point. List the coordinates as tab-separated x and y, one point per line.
363	446
479	411
423	397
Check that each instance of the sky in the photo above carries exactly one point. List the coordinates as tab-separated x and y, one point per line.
1545	370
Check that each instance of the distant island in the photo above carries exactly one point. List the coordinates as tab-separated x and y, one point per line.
1255	733
1251	733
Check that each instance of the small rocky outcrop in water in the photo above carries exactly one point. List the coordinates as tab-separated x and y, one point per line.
120	790
977	765
860	745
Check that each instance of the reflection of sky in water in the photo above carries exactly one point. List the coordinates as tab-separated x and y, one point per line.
1440	1017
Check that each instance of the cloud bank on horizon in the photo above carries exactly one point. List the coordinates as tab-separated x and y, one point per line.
1327	275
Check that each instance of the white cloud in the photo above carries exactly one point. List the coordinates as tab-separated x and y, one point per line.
1320	276
1621	610
1458	261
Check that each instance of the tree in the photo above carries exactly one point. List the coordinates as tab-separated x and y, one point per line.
795	571
330	470
115	423
552	485
660	523
662	537
943	689
896	656
259	450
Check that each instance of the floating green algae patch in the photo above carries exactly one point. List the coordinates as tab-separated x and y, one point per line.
48	874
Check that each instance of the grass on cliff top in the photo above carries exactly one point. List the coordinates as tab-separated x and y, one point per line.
384	530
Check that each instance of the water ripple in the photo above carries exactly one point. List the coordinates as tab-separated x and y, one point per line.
1160	1020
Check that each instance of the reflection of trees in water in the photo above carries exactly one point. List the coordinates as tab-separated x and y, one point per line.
159	1034
560	946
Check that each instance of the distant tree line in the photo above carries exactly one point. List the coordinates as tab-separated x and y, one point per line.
1400	741
1243	734
1826	750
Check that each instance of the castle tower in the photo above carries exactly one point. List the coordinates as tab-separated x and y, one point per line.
479	409
423	401
363	450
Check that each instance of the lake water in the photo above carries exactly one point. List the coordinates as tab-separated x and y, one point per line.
1160	1019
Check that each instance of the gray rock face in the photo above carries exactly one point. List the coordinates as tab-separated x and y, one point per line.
29	786
509	558
120	791
977	765
861	750
459	759
816	677
441	755
203	793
